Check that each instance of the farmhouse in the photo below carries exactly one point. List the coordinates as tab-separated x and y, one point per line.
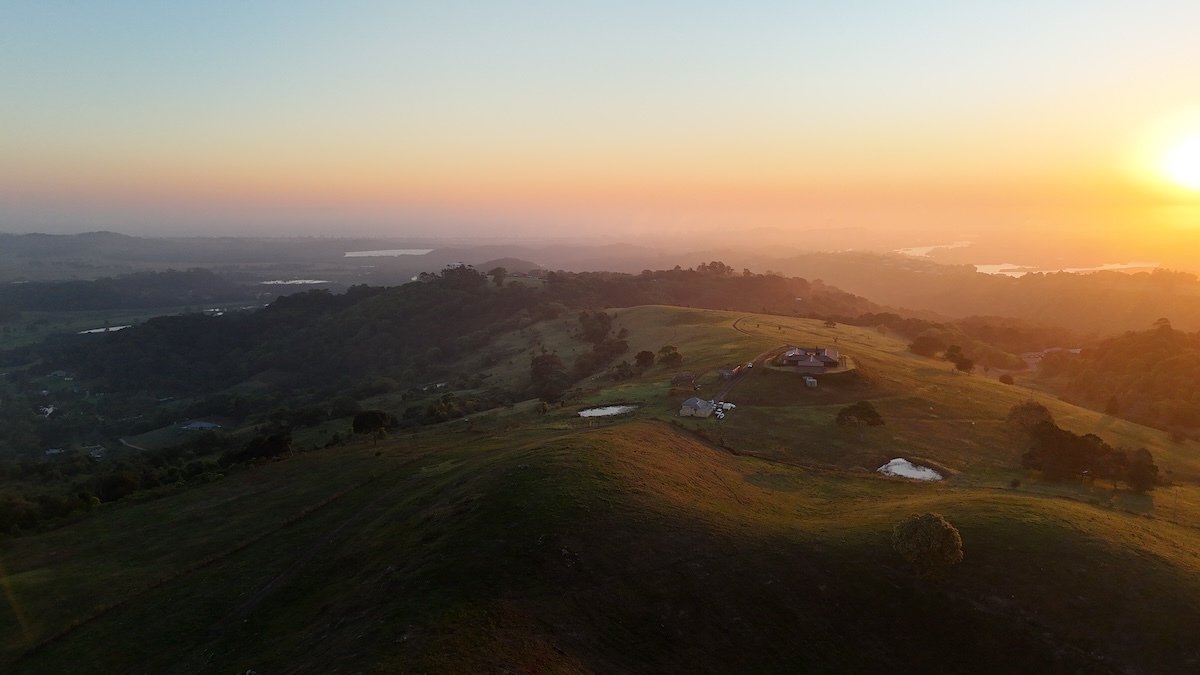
811	360
696	407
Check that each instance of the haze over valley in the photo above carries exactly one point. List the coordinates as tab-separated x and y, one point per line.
600	338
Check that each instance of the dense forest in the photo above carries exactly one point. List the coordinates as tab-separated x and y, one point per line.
1151	377
131	291
1098	303
310	348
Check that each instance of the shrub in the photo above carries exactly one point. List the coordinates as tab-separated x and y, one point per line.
928	543
1006	379
859	414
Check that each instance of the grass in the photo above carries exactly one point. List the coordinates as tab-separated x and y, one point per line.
545	543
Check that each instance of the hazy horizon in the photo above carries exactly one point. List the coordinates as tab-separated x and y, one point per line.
1058	126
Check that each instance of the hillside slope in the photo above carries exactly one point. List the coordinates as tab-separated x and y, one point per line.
549	543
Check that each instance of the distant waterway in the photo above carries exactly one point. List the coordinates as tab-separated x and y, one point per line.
388	252
1015	270
293	282
105	329
924	251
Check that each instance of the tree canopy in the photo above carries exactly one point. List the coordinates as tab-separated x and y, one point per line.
859	414
928	542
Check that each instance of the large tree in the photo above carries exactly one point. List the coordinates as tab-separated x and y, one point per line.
644	359
927	345
670	356
374	422
548	376
1024	416
928	542
858	415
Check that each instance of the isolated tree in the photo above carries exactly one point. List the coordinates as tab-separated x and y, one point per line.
1006	379
926	345
964	364
644	359
928	543
670	356
594	327
272	444
498	275
548	376
859	415
830	323
1112	407
1024	416
374	422
1141	474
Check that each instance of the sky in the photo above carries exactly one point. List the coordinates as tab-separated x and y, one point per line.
922	119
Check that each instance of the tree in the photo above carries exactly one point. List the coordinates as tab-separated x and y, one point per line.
1006	379
1024	416
928	542
644	359
549	376
927	345
1141	474
374	422
594	327
953	353
859	415
964	364
498	274
1061	454
1112	407
670	356
830	323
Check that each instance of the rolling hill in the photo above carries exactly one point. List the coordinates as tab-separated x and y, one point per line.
531	541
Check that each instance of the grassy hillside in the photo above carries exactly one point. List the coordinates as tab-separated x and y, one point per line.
548	543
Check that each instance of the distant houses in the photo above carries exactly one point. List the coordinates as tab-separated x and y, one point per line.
696	407
687	380
812	360
730	372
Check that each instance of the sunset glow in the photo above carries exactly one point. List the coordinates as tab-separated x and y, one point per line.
401	119
1181	164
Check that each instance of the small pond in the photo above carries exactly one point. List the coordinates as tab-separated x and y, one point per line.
607	411
906	469
108	329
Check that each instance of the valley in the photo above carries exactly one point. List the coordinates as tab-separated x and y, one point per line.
526	539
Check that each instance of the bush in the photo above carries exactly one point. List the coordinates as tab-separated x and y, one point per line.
1006	379
928	543
859	414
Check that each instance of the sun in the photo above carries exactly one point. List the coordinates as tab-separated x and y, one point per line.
1181	163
